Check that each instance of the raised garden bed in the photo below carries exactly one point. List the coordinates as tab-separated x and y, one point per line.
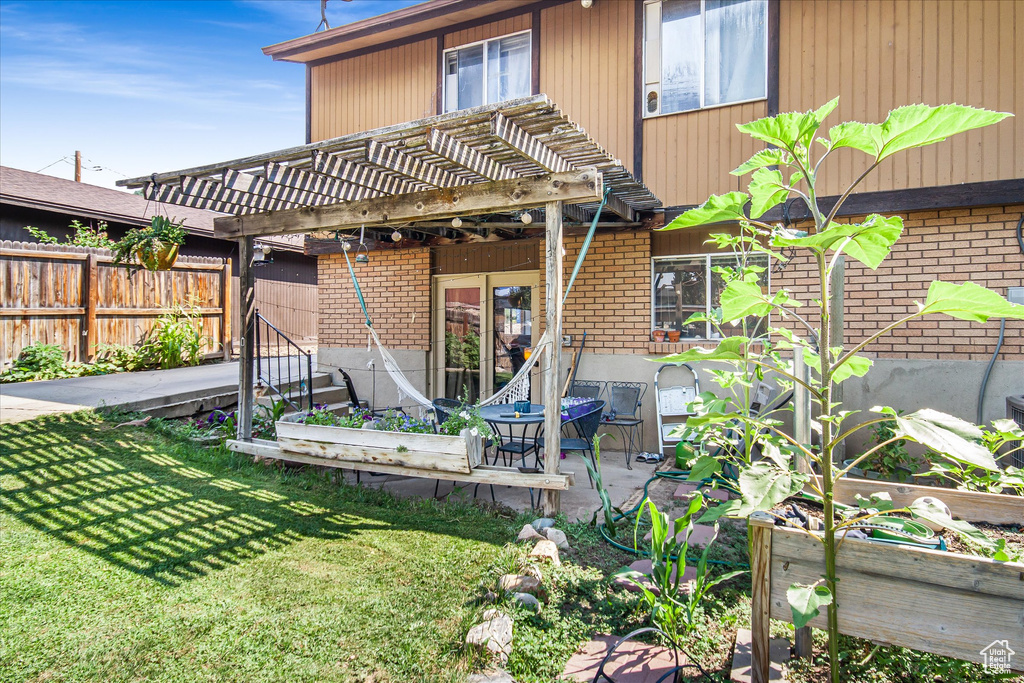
944	603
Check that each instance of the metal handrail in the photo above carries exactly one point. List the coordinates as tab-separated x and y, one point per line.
305	384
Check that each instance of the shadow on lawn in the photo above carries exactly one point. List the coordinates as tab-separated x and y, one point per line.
159	509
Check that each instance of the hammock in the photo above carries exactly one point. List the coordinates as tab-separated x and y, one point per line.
517	388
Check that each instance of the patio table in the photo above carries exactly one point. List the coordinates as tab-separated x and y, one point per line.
514	432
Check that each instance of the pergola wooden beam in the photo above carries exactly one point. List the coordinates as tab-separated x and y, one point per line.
172	194
465	156
302	179
527	145
255	185
581	185
376	182
392	159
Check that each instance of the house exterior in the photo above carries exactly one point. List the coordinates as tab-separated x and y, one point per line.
286	289
661	84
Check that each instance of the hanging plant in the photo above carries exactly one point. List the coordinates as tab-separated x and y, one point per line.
154	247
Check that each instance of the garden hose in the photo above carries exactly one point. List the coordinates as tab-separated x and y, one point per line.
682	476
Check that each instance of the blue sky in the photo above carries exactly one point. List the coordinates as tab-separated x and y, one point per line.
140	87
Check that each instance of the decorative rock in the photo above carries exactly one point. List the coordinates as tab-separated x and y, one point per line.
546	550
528	533
517	583
527	600
493	633
543	523
557	537
491	676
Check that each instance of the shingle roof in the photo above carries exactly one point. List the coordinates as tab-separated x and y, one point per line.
40	191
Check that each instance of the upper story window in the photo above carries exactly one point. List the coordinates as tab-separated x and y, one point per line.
704	53
489	71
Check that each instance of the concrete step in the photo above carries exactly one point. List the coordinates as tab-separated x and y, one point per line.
188	405
325	394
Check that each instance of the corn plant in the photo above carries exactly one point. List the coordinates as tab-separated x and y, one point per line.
792	166
673	604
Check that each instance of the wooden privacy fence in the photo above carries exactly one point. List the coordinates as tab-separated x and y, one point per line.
77	298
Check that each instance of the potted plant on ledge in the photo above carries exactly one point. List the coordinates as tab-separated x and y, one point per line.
154	247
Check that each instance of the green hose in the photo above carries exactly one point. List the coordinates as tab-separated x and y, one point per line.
681	475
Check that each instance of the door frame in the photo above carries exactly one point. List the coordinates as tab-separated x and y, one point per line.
486	282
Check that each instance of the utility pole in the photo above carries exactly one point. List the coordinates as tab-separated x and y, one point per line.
78	166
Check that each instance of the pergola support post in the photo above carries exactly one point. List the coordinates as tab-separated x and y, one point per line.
550	499
247	338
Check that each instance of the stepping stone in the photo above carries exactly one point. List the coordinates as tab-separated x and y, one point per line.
699	537
684	490
778	653
633	662
720	494
644	567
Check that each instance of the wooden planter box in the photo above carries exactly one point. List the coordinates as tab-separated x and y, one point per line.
425	452
932	601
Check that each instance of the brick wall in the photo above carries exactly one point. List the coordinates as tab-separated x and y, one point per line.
611	298
396	286
954	245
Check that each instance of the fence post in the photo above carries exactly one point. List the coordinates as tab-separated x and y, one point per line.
225	307
90	301
759	526
247	319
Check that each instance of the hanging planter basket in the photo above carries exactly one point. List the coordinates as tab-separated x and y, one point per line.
160	257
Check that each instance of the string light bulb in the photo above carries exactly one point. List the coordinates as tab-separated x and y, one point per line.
346	246
456	222
526	218
396	236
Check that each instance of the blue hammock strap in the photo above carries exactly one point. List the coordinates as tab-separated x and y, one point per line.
586	246
359	290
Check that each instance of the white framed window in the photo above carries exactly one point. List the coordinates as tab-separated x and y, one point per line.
489	71
704	53
684	285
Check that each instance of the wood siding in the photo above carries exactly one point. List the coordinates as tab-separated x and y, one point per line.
688	156
875	54
586	68
882	54
486	258
492	30
377	89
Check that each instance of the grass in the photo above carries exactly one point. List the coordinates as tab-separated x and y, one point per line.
127	554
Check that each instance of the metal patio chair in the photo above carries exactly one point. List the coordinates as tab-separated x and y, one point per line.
626	399
586	388
583	421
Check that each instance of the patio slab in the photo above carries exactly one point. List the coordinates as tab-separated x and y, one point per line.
633	662
578	503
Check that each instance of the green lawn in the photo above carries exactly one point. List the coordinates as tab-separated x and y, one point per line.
127	555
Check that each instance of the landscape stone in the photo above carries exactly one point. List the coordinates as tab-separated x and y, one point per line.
557	537
519	583
527	600
543	523
528	533
491	676
493	633
546	550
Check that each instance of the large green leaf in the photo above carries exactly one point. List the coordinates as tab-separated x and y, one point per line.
773	156
740	299
915	125
718	208
806	602
763	485
854	366
767	189
929	509
705	468
789	129
730	348
868	242
948	435
969	302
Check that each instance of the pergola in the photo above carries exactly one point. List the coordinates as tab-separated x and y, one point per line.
501	158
